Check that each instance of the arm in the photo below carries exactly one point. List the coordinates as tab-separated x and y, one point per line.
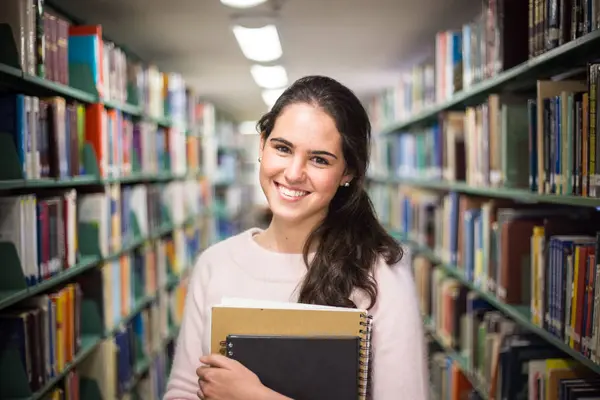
399	366
183	382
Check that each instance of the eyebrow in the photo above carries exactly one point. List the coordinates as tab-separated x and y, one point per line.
314	152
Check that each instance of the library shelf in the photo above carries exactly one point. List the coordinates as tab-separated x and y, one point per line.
81	90
429	328
88	344
142	365
37	86
90	341
520	195
544	65
130	109
90	180
519	314
9	297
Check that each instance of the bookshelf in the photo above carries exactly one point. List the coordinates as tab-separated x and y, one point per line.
485	167
108	170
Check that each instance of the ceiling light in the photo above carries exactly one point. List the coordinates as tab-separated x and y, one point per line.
270	96
259	44
273	77
242	3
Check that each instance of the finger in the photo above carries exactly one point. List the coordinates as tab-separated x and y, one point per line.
203	372
201	369
218	360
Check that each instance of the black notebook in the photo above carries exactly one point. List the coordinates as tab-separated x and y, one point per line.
302	367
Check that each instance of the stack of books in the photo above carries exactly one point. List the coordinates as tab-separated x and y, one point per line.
298	350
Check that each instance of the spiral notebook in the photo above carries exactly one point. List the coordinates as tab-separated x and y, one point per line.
301	367
235	316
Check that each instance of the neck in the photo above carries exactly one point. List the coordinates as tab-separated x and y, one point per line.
287	237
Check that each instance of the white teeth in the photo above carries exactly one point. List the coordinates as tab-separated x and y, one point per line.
291	193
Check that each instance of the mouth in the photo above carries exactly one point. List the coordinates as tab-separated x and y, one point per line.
290	194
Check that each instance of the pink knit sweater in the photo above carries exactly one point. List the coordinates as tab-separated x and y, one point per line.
239	267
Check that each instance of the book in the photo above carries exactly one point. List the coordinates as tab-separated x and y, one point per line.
237	316
301	367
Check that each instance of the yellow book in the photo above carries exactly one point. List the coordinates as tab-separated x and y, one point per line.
537	275
58	299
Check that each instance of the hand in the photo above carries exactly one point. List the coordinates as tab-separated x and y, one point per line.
222	378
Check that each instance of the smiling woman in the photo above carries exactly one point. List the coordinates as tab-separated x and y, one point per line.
324	245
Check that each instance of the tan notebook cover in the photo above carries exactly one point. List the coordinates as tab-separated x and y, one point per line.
269	318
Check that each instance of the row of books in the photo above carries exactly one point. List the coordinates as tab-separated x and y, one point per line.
490	355
505	33
545	144
478	50
119	286
48	136
51	232
44	334
50	46
540	257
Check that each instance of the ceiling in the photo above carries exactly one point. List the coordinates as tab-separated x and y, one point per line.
362	43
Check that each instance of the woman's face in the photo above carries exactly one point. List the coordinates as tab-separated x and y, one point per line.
302	164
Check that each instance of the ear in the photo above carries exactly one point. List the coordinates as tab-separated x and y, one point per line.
346	178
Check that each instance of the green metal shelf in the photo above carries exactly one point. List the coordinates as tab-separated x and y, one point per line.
519	314
516	194
10	297
88	344
88	180
35	85
130	109
541	67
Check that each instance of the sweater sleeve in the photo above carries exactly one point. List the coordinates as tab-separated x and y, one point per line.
183	382
399	363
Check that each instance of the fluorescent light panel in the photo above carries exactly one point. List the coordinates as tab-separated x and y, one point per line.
269	77
270	96
242	3
258	44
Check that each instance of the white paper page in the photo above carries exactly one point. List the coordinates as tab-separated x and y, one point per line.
253	303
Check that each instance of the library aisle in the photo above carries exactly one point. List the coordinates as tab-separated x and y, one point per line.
486	168
114	176
117	171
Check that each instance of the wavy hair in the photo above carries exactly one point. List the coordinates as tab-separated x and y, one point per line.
350	239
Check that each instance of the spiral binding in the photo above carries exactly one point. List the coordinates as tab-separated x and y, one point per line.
225	348
364	370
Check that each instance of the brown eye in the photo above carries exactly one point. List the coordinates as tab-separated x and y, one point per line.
282	149
321	160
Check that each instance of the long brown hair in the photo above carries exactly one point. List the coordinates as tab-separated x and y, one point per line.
350	239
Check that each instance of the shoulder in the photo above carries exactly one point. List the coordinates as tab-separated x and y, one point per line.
235	243
220	255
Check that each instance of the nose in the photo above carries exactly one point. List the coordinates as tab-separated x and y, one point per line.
295	170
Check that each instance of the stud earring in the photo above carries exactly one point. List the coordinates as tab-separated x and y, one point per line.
346	184
259	159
